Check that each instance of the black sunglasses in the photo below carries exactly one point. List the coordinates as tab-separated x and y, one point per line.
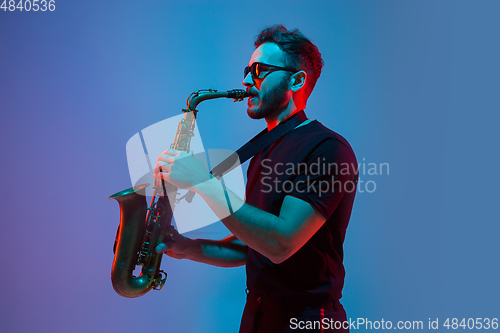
258	68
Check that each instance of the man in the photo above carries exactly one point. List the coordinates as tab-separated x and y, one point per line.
299	197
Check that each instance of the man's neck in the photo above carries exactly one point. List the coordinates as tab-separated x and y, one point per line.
275	119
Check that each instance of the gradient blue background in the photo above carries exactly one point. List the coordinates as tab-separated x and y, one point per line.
410	83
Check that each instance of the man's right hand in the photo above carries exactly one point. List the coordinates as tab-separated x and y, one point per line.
228	252
177	246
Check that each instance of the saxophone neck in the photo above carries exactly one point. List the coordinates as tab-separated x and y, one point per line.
202	95
199	96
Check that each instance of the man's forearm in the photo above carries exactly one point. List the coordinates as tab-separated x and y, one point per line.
228	252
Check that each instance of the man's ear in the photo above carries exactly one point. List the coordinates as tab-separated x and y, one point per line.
298	80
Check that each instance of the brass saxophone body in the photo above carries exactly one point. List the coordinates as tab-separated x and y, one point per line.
141	228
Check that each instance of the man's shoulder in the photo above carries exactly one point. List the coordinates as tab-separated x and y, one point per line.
317	134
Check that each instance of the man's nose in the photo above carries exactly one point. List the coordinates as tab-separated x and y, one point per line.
248	80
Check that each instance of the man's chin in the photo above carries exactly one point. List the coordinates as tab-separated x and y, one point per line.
254	113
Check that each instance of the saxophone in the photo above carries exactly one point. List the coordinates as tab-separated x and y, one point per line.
141	228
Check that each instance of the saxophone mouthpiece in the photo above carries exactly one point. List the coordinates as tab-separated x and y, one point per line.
238	94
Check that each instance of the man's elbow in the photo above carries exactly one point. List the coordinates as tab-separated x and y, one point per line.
278	259
282	253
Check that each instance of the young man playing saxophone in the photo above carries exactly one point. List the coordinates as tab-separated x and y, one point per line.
290	237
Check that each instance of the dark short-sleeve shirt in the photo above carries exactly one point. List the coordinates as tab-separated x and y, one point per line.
316	165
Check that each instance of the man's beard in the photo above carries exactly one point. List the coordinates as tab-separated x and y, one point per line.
272	101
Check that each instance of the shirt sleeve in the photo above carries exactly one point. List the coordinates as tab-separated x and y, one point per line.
329	172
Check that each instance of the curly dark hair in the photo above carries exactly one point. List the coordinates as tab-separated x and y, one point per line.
300	52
